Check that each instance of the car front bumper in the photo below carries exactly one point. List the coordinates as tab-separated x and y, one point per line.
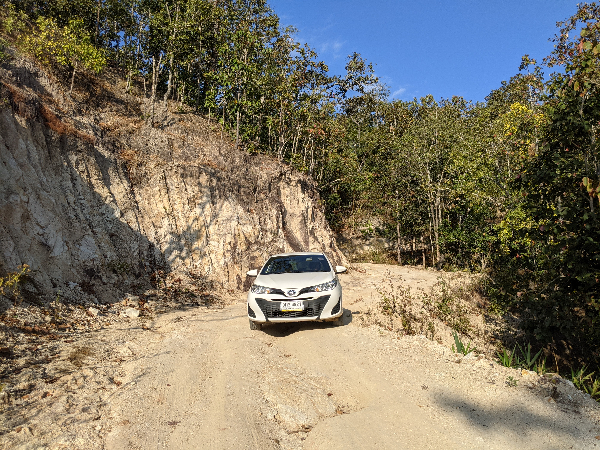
317	306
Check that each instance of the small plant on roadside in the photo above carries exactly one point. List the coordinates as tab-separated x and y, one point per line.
119	267
56	307
527	361
79	354
397	303
586	382
522	358
594	389
506	357
459	346
11	284
540	367
511	381
430	330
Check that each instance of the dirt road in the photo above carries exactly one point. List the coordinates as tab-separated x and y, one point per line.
201	379
207	381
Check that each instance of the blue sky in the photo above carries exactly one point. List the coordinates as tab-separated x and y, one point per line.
438	47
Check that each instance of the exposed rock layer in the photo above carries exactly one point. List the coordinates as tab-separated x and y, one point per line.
94	198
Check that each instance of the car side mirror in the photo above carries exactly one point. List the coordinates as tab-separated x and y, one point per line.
340	269
252	273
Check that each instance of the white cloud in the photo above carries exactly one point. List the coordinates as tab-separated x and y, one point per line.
398	92
332	48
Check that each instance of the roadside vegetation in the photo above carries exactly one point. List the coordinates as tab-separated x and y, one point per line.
12	283
507	187
447	308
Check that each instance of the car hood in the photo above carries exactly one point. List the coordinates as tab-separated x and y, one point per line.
293	280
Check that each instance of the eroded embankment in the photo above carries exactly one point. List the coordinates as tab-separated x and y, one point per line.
96	198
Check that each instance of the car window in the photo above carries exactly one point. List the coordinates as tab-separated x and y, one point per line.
296	264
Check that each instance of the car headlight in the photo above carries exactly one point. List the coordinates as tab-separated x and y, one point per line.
256	289
329	286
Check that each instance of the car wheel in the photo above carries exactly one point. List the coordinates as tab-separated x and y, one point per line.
339	322
255	325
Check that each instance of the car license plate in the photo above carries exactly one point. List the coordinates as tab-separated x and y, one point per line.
297	305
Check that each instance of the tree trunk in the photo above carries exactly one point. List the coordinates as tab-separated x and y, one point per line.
223	126
73	78
398	243
170	82
237	122
97	37
431	231
174	24
155	75
438	216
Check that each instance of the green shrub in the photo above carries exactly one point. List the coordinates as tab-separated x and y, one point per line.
399	303
4	55
69	46
522	359
13	22
448	304
11	284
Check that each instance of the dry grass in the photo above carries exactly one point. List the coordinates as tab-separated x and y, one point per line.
20	101
62	128
375	256
124	124
451	305
79	354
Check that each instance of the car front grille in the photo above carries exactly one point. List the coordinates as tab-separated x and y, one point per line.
312	308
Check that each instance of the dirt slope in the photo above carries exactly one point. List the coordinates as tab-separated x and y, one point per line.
200	378
97	200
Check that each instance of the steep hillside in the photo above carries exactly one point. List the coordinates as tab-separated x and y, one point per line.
100	198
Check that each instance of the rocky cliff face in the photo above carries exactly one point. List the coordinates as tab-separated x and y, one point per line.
95	199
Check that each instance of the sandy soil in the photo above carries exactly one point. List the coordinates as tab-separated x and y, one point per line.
200	378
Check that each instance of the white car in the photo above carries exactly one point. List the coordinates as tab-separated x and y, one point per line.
294	287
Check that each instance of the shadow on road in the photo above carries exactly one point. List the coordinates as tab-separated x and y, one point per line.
288	328
511	419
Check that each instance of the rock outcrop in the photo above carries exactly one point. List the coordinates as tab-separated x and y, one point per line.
95	198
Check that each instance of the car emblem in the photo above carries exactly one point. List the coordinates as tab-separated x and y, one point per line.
292	292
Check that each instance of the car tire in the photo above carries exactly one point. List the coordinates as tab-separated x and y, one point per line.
255	325
339	321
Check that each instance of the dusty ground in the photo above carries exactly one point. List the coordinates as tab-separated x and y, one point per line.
198	377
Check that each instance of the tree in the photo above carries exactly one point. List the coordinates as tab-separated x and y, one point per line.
550	271
68	46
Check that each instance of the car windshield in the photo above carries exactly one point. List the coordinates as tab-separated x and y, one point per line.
296	264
